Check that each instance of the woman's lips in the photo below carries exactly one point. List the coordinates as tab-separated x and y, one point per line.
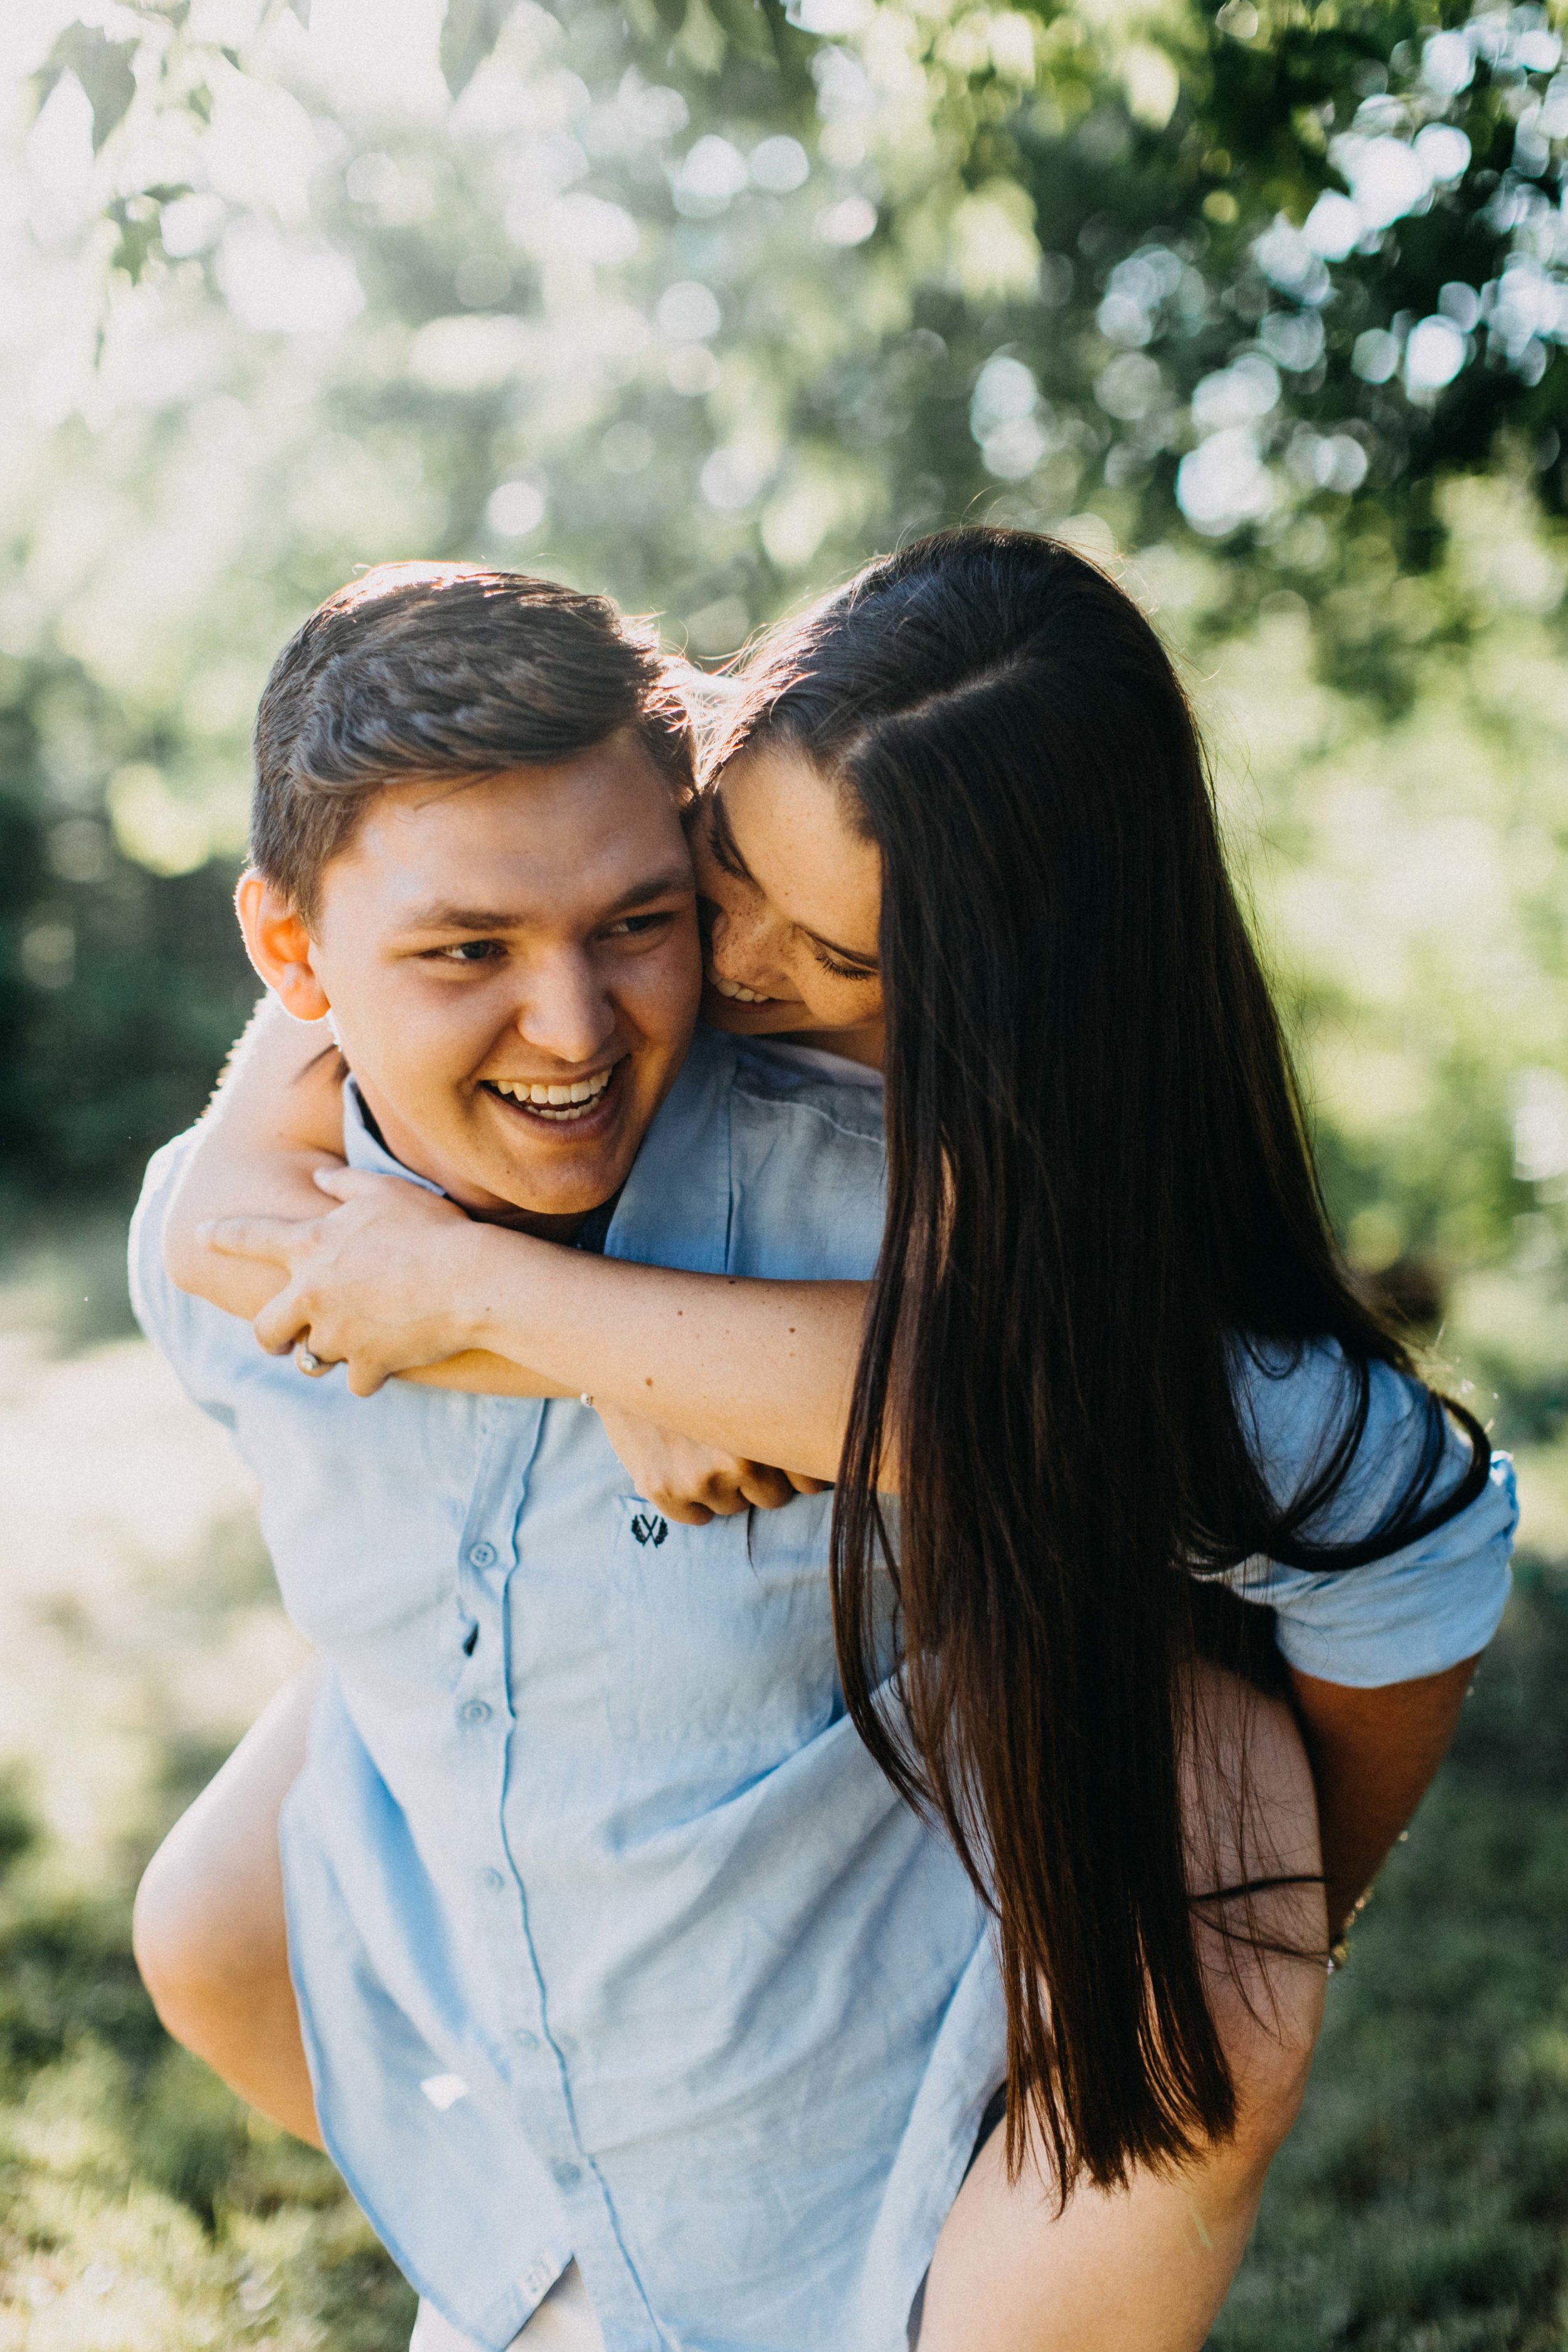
733	990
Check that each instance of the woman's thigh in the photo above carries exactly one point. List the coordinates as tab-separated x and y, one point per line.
214	1890
210	1934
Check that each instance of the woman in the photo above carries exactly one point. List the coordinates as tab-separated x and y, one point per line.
959	822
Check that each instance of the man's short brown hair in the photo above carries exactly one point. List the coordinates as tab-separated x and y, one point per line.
419	670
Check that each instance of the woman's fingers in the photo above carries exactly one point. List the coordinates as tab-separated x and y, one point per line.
767	1488
282	1321
277	1239
681	1508
358	1183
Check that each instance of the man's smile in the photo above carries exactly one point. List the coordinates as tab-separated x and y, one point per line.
559	1102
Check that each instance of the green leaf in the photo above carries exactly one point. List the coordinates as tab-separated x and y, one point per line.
102	67
745	24
470	32
702	40
137	222
302	10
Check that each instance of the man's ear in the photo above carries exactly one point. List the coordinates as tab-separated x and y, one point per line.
280	947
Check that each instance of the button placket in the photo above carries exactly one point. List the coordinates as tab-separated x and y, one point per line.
488	1553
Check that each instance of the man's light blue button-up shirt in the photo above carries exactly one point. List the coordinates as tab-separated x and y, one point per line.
610	1939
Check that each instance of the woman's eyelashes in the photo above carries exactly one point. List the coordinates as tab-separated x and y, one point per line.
839	971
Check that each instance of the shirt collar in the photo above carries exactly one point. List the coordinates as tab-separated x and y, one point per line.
675	1210
675	1207
362	1148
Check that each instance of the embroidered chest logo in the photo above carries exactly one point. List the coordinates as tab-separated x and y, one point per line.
648	1528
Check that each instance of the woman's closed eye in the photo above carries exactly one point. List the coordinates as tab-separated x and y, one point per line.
840	971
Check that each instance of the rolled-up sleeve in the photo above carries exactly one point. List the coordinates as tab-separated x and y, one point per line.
1421	1609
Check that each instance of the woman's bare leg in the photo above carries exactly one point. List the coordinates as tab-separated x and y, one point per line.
1146	2269
209	1930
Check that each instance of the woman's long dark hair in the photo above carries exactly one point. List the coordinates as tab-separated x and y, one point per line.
1099	1189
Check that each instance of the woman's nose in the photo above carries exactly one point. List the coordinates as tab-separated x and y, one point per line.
733	942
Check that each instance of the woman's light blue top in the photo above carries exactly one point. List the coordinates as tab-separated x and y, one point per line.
610	1939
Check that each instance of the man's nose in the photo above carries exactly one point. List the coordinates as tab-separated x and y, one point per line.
567	1011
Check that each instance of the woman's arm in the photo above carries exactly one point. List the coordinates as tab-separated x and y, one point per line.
396	1280
276	1118
274	1124
278	1121
1373	1754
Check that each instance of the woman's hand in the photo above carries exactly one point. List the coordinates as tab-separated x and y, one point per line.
377	1283
695	1483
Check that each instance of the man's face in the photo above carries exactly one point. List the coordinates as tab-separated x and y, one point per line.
513	968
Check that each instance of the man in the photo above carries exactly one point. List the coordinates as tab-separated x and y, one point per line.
609	1941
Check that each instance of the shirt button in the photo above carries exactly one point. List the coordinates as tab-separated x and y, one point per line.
567	2176
482	1554
476	1712
525	2039
492	1879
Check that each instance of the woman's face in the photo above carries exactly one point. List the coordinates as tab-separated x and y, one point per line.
792	897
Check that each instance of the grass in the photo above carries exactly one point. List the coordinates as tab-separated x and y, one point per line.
1422	2202
1421	2205
142	2208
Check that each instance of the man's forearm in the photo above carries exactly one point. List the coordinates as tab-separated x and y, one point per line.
1373	1753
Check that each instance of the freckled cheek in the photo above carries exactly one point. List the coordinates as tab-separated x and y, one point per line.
745	940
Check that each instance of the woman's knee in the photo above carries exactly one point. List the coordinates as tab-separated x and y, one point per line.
208	1929
201	1958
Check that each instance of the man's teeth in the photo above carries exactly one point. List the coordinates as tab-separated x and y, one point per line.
556	1101
739	995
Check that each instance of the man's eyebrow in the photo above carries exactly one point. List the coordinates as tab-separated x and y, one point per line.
675	882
